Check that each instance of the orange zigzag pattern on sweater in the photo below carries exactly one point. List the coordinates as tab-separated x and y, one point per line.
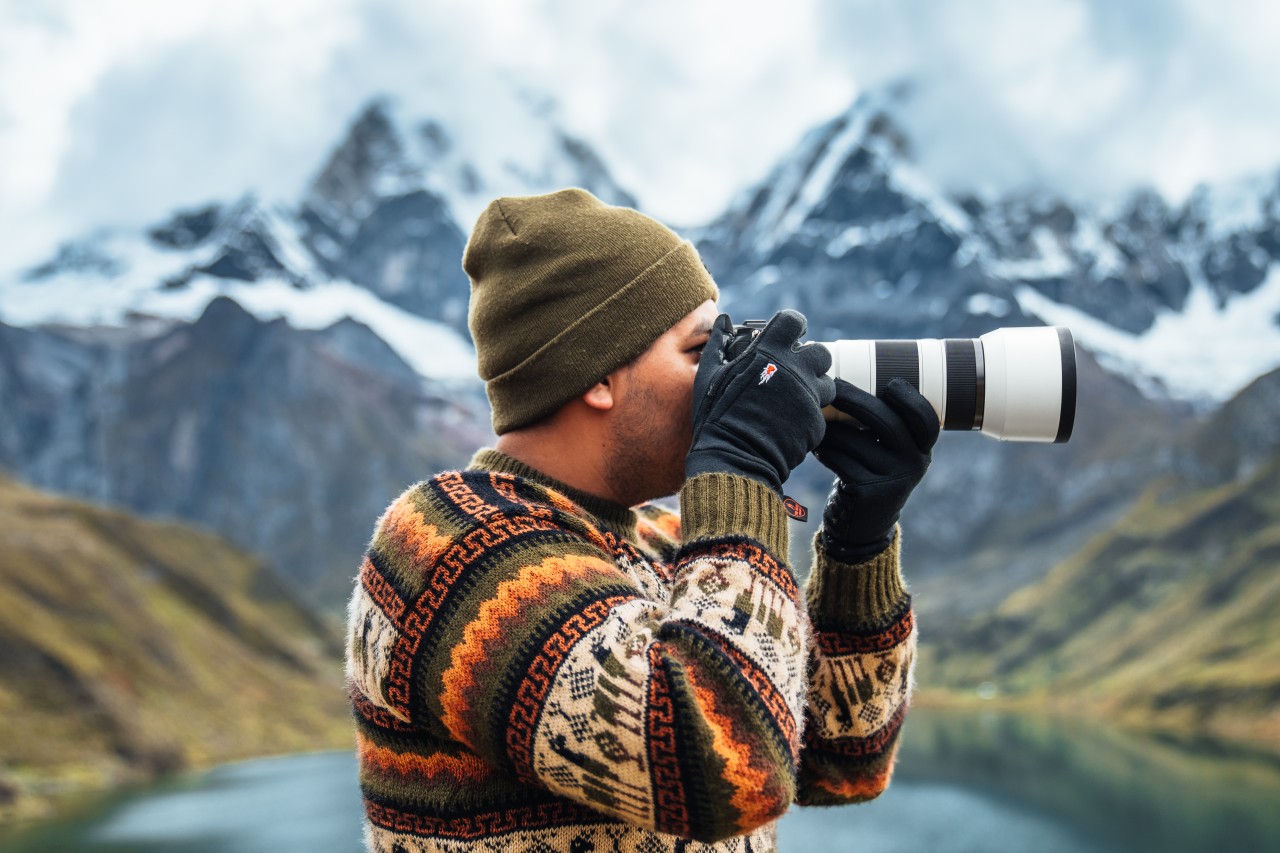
750	783
404	525
460	768
859	788
490	626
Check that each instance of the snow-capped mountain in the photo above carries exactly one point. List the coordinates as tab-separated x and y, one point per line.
388	154
377	238
1183	301
390	208
246	251
844	230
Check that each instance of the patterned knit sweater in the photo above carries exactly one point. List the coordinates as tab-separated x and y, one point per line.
533	668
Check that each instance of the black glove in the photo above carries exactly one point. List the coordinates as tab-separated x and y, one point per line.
759	412
877	465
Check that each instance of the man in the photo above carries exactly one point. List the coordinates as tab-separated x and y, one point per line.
535	664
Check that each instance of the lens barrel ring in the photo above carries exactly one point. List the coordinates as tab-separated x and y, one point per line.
962	410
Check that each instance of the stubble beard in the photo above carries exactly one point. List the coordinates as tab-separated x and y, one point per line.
645	459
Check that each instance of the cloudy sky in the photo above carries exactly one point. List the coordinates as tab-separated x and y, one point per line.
116	111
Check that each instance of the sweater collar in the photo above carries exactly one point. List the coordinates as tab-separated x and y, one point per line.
614	516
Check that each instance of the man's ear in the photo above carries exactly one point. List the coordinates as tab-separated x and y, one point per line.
600	396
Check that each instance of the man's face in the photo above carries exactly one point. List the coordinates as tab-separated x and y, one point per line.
652	424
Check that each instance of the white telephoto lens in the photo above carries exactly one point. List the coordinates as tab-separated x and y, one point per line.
1014	384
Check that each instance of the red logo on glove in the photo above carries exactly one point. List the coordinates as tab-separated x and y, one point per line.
767	373
795	509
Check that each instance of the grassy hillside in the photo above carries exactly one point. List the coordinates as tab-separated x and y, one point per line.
132	648
1171	619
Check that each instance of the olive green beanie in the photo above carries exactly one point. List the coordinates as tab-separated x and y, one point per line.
566	289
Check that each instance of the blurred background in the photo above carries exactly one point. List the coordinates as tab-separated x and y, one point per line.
233	328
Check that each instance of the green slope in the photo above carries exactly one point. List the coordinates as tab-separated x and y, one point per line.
1171	619
131	648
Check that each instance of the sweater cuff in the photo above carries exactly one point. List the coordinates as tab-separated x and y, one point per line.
861	598
716	505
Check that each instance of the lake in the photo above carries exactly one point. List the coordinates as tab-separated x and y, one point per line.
966	782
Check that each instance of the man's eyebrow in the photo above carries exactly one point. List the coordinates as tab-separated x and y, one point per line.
703	328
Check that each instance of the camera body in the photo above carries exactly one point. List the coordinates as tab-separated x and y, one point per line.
1013	384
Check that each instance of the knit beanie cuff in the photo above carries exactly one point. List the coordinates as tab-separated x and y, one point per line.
607	337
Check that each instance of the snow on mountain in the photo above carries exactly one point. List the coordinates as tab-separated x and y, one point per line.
1204	354
799	183
1242	205
1046	261
466	158
844	228
1179	299
377	238
861	151
116	275
1184	301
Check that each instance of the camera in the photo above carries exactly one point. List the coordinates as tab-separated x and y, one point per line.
1014	384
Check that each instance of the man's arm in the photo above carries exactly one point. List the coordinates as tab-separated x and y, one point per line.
864	628
860	677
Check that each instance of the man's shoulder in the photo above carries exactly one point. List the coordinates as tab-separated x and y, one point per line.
456	506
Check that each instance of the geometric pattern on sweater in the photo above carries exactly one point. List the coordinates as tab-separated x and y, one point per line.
586	838
857	693
527	673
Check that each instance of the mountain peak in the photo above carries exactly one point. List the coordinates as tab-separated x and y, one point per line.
369	159
849	171
389	150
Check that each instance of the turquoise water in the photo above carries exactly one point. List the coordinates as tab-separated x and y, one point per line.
965	782
292	803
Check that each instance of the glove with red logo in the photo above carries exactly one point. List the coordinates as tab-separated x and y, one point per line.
758	412
876	464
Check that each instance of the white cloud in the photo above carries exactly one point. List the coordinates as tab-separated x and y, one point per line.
115	112
1088	96
692	100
